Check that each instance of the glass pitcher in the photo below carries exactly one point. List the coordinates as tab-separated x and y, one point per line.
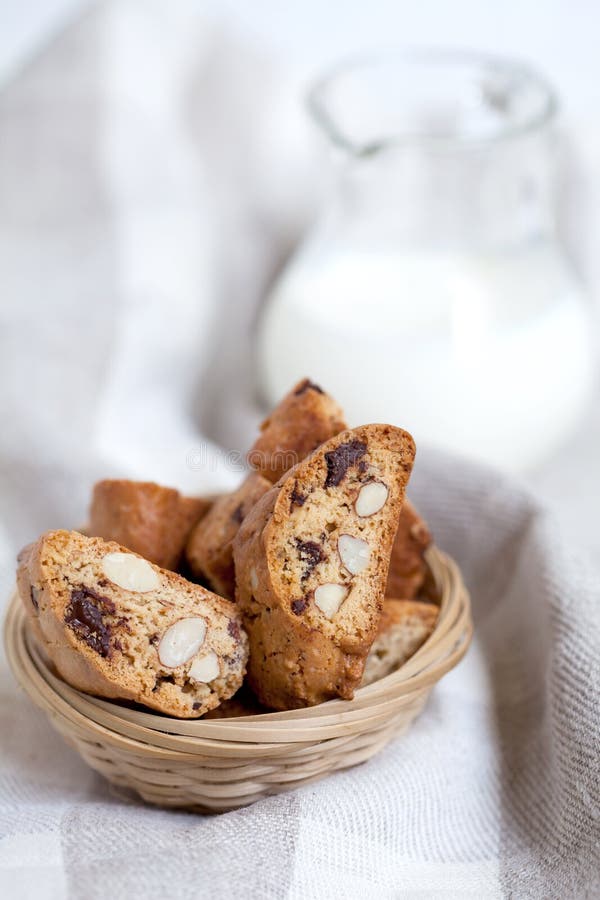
433	291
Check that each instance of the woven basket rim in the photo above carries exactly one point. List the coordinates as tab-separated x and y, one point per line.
263	733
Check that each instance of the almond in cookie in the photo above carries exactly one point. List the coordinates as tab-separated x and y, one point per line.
311	575
118	626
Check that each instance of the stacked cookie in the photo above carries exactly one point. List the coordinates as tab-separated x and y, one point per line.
307	581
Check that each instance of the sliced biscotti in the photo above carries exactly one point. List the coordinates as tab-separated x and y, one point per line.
311	564
209	551
404	626
118	626
408	568
305	418
149	519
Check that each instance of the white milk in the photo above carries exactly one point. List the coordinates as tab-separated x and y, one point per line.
486	355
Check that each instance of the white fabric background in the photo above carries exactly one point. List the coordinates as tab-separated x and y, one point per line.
140	220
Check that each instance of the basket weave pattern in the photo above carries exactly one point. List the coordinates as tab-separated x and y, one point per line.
222	764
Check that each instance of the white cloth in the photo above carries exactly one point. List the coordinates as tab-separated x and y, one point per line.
147	160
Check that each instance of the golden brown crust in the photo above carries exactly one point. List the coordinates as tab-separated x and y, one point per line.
301	422
404	626
305	418
103	639
149	519
408	569
288	546
209	550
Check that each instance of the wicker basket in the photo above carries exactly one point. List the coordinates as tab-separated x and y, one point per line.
223	764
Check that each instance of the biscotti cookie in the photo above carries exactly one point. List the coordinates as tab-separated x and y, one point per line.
209	552
147	518
117	626
305	418
404	626
311	564
408	568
